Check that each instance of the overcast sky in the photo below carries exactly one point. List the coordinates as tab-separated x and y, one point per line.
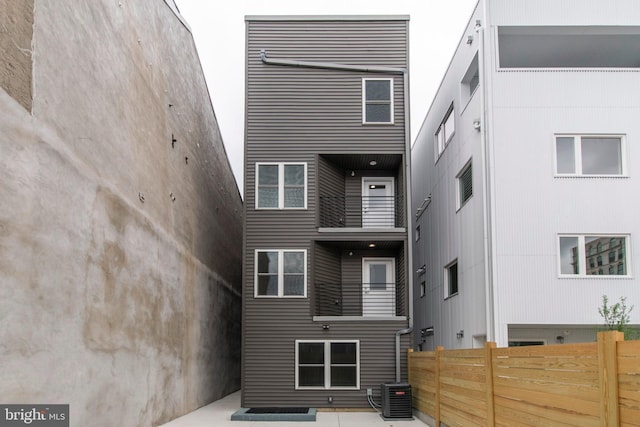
219	32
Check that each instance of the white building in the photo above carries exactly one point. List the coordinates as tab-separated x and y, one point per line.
526	176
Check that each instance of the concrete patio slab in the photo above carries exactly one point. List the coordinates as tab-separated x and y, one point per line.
218	414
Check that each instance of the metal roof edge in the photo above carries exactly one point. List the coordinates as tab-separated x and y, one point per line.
326	17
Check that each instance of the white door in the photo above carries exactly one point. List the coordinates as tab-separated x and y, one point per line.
378	203
378	287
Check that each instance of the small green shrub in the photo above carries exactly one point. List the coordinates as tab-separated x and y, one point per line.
617	317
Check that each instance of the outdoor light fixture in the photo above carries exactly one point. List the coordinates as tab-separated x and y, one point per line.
353	173
373	163
372	245
460	334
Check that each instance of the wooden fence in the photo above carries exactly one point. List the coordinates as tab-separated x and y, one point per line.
587	384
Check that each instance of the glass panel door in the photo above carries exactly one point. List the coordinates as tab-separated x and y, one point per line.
378	203
378	287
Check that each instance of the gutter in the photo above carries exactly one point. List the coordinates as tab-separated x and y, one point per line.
407	131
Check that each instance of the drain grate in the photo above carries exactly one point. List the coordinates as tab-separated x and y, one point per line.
274	414
278	411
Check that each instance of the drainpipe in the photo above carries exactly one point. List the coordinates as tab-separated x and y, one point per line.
407	157
407	132
486	178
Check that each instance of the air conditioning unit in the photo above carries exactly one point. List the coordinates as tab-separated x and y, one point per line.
396	401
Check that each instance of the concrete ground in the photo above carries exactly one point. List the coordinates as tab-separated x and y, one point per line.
218	414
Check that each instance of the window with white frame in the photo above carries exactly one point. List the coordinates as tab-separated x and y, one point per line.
588	155
585	255
281	185
281	273
445	131
377	101
327	364
470	81
465	184
451	279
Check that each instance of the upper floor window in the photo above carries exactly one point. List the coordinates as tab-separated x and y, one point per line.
590	155
281	186
569	46
465	184
281	273
470	81
451	279
377	101
573	250
445	131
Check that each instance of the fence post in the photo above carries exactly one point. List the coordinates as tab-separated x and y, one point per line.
608	367
439	350
488	365
409	366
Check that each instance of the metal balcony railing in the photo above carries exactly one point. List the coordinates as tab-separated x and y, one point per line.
361	212
359	299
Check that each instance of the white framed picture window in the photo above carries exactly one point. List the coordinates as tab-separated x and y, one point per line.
590	155
281	185
377	101
280	273
327	364
593	255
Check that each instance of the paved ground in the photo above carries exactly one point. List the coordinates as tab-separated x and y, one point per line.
218	414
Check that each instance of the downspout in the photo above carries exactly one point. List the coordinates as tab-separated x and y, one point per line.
486	178
407	156
407	132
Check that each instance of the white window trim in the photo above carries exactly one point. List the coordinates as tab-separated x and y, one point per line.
459	202
577	149
446	279
327	365
441	127
364	101
281	168
281	252
583	257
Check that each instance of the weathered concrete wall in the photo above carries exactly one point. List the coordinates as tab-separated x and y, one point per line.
16	31
120	222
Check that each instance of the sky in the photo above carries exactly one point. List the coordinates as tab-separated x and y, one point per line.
218	28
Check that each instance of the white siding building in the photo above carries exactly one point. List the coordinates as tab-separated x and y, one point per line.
526	176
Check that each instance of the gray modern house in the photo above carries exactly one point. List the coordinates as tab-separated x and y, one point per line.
326	297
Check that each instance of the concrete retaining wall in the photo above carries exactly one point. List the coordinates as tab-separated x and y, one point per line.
120	221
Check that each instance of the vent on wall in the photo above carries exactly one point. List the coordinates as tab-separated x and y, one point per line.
396	401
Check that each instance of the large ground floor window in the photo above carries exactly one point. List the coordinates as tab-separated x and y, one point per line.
327	364
587	255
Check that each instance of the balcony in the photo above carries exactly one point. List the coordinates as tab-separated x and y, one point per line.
375	300
361	212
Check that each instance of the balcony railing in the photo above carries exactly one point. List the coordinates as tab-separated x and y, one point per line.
361	212
359	299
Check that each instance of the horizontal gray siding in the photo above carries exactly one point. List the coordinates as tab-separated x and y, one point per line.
294	115
269	370
322	109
